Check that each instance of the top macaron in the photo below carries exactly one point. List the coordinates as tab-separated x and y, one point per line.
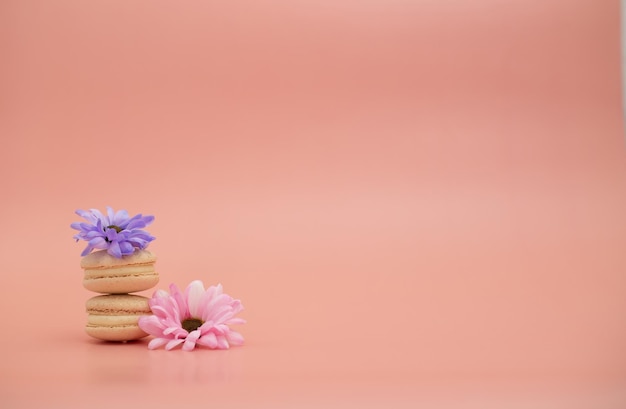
111	275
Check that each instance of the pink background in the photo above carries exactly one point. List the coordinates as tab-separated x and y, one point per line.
416	201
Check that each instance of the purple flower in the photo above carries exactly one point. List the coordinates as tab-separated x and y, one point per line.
118	233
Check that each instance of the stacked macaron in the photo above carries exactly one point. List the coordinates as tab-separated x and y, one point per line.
119	266
114	315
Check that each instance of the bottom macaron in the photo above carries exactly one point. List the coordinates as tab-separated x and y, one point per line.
115	317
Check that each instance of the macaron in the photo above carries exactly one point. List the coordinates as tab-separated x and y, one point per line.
111	275
116	317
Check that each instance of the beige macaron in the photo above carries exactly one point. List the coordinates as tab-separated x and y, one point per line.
110	275
115	317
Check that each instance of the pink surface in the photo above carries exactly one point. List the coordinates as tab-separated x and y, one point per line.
417	202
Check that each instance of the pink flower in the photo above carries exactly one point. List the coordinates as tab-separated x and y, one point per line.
197	316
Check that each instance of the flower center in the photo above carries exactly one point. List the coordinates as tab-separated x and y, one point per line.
191	324
117	228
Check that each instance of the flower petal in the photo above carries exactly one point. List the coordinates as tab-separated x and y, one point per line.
221	342
207	302
159	311
169	330
86	251
193	294
208	340
190	341
120	219
234	338
110	216
173	343
126	248
114	249
98	242
178	299
235	321
111	234
151	324
157	343
92	234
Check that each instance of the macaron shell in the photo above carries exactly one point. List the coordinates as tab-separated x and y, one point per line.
116	317
102	259
118	333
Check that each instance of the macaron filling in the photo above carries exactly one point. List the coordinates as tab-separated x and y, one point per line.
191	324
